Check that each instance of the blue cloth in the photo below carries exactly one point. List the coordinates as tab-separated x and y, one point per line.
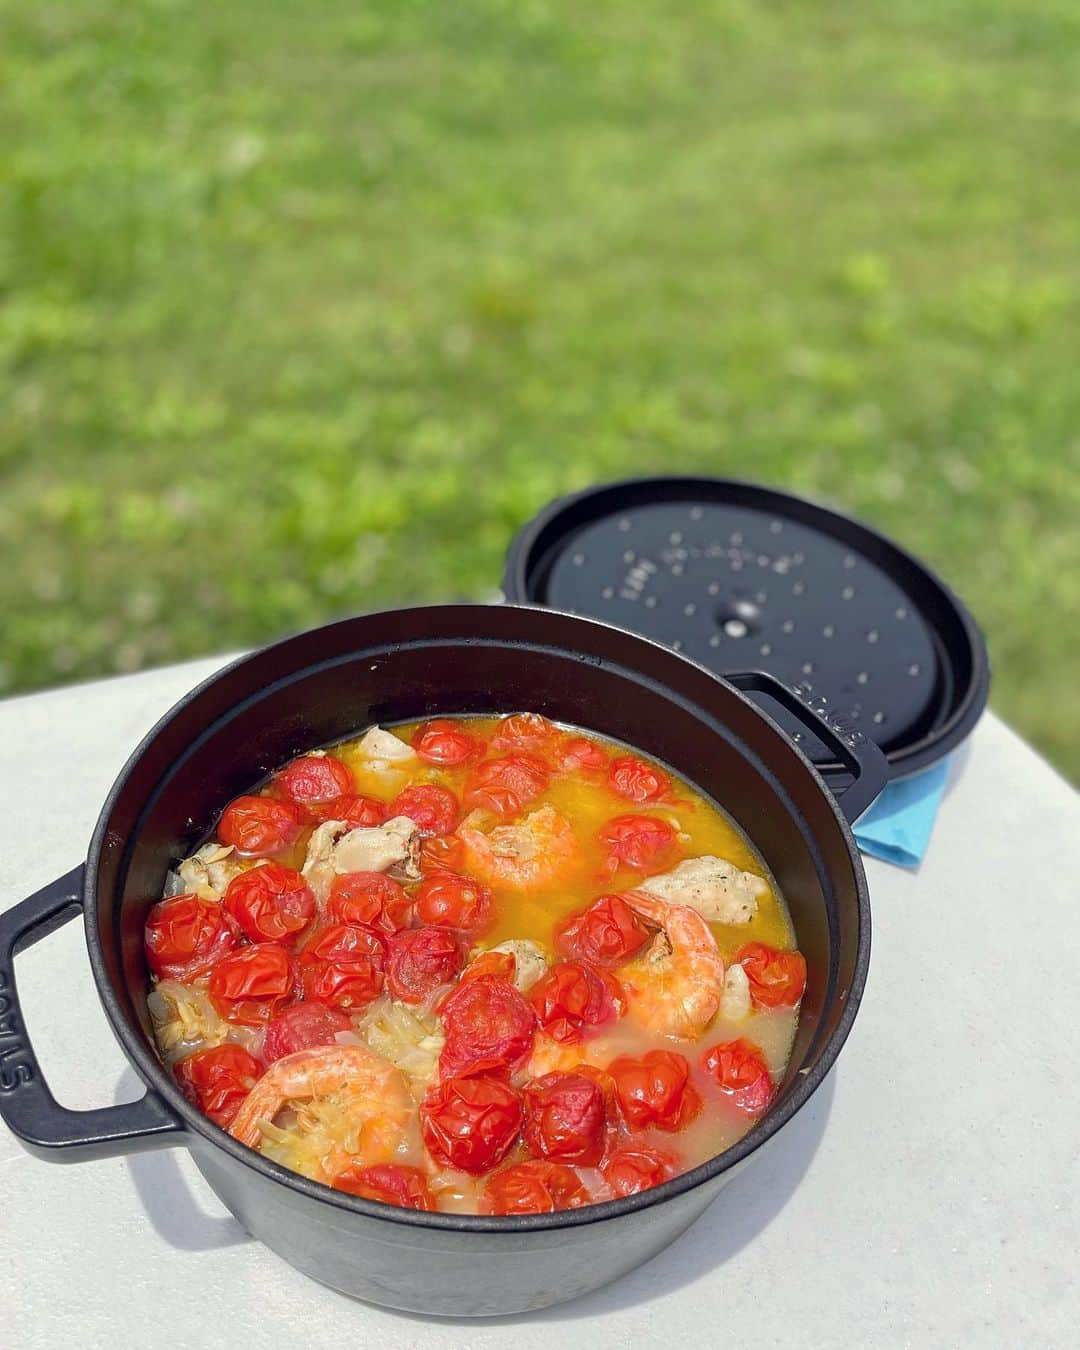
898	825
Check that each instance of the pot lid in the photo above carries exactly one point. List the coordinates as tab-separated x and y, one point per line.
739	576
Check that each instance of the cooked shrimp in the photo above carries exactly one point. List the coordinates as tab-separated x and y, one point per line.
350	1104
552	1056
541	851
716	888
676	987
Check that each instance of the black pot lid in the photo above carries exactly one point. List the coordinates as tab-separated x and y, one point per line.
738	576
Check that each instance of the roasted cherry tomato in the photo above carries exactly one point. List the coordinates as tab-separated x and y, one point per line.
186	935
640	842
302	1027
259	826
446	743
271	903
370	898
777	979
356	811
565	1118
738	1069
525	731
315	778
455	902
573	998
489	1029
470	1123
533	1187
606	934
342	966
443	854
637	780
506	785
252	983
577	754
420	960
434	809
392	1183
496	965
655	1090
217	1080
637	1167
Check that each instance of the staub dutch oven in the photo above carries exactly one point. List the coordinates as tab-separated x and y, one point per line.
389	667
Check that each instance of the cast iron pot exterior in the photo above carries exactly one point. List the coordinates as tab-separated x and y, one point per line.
322	686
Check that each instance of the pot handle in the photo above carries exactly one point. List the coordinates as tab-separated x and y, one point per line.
27	1107
856	751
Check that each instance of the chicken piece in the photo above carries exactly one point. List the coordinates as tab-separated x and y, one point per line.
384	746
529	962
207	872
735	1000
717	889
333	849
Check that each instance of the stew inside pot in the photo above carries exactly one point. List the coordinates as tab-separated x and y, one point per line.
483	965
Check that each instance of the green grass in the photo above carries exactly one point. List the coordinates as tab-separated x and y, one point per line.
304	309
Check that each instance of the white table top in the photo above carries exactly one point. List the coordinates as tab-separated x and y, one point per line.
927	1196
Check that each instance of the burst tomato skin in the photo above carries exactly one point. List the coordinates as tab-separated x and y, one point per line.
356	810
315	778
446	743
637	780
490	965
303	1026
252	983
740	1072
470	1123
270	903
639	842
446	853
218	1079
370	898
536	1186
573	999
489	1029
577	754
565	1119
455	902
258	827
777	979
433	809
185	935
342	966
606	934
419	960
392	1183
525	731
655	1090
508	784
637	1167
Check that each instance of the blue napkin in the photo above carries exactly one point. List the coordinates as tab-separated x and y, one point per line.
897	827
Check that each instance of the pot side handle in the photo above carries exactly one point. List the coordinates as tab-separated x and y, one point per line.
856	751
27	1107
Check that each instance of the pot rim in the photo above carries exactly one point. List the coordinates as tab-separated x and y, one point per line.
155	1075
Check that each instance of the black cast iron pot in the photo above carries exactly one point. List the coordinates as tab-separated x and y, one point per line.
323	686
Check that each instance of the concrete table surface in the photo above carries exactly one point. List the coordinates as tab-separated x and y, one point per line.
927	1195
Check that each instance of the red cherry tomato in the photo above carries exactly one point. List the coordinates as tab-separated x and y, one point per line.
573	998
533	1187
446	743
470	1123
356	811
525	731
508	784
370	898
422	959
271	903
315	778
252	983
655	1090
606	934
577	754
434	809
186	935
259	826
777	979
739	1071
302	1027
343	967
565	1118
496	965
637	780
639	842
392	1183
444	854
636	1167
489	1029
454	902
217	1080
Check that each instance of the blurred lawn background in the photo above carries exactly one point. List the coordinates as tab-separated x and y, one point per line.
304	308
